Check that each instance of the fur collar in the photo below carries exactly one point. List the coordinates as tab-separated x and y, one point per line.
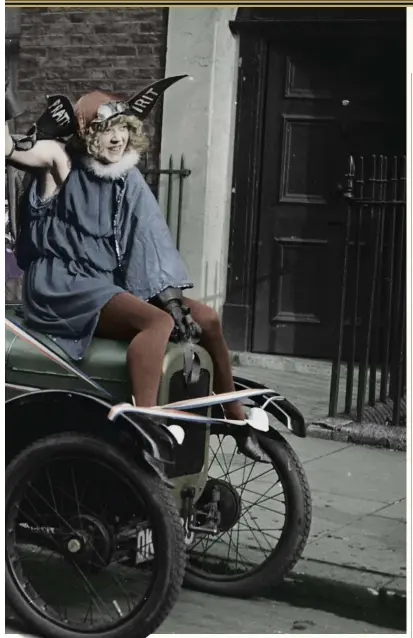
111	171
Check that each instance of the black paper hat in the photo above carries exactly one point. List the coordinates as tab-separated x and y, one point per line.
59	120
142	103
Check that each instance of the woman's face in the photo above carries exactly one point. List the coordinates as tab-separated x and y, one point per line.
113	142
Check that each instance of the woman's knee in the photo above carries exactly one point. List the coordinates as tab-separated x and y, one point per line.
165	322
153	336
209	321
158	321
125	316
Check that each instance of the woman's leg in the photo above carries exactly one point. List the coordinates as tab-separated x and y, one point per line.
147	329
214	342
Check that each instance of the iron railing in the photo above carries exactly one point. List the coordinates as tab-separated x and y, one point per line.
173	175
371	330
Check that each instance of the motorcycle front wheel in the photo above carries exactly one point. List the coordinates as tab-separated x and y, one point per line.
265	512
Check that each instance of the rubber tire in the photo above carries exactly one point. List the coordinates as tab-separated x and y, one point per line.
293	538
163	508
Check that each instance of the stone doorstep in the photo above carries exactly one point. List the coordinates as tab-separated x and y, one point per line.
348	592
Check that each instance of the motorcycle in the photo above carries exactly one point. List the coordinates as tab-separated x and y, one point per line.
110	507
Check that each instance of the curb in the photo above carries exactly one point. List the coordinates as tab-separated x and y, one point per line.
347	431
379	599
372	431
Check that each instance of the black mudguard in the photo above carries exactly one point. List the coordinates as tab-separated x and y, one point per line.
37	414
282	409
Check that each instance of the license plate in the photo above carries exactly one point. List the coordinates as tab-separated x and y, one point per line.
144	543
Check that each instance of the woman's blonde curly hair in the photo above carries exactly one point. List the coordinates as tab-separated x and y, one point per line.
90	143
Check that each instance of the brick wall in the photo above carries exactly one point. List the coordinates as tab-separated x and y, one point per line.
73	51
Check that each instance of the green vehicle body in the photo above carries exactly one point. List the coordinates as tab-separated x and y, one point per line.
46	397
28	370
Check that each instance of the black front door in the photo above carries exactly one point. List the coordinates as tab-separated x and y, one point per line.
326	97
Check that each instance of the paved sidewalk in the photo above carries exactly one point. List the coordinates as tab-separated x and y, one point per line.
357	544
307	385
356	553
359	493
354	565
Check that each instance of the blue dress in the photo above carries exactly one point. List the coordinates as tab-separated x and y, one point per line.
95	238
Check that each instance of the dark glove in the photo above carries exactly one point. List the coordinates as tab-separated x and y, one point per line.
193	329
12	107
24	142
186	329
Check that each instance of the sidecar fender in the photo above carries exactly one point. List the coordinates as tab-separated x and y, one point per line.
34	415
280	408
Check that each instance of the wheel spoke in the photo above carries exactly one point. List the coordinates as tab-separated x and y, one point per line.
72	474
202	540
99	583
239	555
85	509
232	456
262	499
259	494
253	533
237	469
51	489
245	482
261	529
89	587
266	536
220	442
218	461
258	504
261	476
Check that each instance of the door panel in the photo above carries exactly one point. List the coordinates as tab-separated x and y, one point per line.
305	136
325	99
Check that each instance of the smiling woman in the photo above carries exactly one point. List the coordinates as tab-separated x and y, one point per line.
106	127
111	143
80	214
95	249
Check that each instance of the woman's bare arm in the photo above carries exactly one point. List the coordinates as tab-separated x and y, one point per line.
44	154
